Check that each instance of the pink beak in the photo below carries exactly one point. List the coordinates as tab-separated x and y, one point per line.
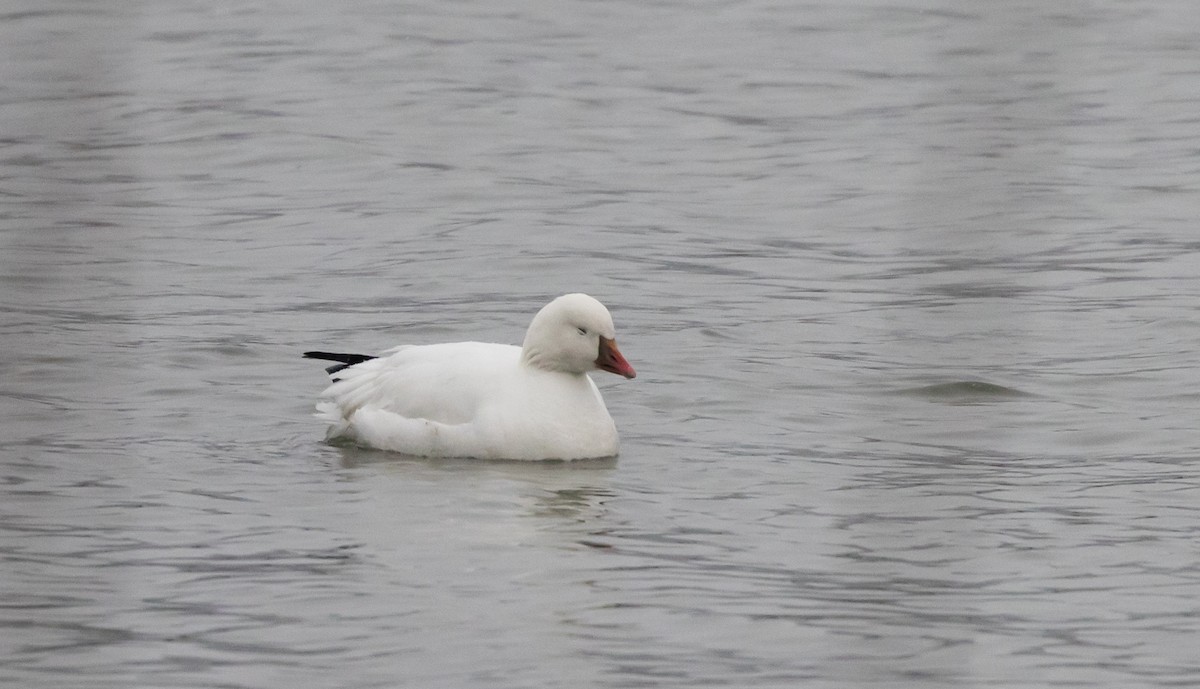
610	359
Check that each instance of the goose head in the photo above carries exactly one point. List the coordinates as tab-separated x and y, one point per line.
574	334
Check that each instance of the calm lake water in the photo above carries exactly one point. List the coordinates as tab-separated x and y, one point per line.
911	287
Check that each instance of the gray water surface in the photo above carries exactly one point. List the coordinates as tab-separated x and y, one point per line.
911	288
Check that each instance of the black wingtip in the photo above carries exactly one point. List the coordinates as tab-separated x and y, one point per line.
345	360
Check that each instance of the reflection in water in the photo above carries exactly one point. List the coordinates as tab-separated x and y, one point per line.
580	504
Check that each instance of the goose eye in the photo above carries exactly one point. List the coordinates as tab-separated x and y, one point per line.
582	331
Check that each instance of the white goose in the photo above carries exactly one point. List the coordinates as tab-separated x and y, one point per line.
489	401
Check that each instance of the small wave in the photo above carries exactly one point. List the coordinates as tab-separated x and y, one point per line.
964	391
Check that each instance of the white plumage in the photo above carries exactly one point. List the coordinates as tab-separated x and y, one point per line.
489	401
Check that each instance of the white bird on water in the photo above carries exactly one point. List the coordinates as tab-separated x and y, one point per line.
483	400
